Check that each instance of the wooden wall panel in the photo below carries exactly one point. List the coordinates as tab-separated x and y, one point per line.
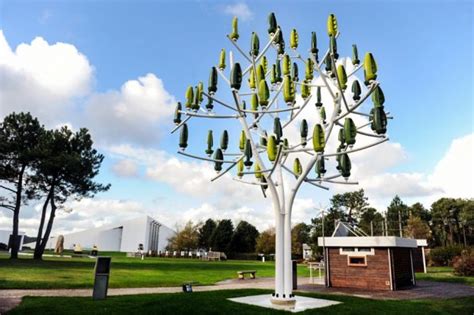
374	276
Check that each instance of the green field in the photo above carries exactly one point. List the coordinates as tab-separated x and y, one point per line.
125	272
214	302
444	274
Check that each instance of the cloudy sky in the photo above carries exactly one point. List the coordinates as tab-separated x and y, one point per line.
118	68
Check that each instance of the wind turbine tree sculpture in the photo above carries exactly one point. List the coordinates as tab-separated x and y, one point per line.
263	151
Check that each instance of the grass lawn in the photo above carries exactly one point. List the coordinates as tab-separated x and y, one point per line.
214	302
125	272
444	274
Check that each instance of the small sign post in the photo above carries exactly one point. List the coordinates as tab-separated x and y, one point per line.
101	281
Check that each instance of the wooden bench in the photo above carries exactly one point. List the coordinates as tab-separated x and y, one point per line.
242	274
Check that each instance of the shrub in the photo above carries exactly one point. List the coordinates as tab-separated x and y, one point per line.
464	264
442	256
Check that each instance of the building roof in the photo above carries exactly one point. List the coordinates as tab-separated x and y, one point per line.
367	241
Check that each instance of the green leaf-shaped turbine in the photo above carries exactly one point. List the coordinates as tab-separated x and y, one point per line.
356	90
255	45
236	76
297	168
345	165
272	148
183	137
288	90
189	97
355	55
210	143
272	24
332	25
286	65
277	129
212	87
177	113
222	60
378	98
303	132
235	29
370	68
350	131
224	140
294	39
218	156
342	77
318	138
263	93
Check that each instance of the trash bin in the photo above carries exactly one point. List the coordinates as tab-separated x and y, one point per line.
101	280
295	275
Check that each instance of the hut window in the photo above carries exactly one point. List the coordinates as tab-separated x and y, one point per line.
348	249
357	261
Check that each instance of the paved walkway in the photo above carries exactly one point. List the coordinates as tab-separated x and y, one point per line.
424	290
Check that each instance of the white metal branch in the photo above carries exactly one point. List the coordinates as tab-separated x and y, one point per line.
238	48
228	169
359	102
297	113
357	149
180	124
355	70
223	75
264	50
220	102
270	111
191	114
203	158
250	183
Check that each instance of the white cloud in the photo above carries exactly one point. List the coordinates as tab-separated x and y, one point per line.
42	78
132	114
241	10
189	177
50	79
455	171
125	168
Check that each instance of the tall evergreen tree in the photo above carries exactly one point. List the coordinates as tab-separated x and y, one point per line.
19	137
222	236
205	233
371	221
66	168
300	234
397	215
352	203
244	238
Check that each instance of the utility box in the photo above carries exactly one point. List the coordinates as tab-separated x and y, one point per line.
101	280
295	274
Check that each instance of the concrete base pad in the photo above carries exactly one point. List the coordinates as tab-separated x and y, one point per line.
302	303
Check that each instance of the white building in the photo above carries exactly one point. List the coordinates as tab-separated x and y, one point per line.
123	236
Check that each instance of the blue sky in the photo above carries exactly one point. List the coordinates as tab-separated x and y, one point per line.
423	50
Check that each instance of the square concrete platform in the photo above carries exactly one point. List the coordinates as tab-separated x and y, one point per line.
302	302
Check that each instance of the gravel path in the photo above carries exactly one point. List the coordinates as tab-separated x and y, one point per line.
424	290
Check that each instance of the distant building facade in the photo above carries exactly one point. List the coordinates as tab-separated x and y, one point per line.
122	237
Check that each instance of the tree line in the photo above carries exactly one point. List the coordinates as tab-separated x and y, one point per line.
46	165
220	235
447	222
